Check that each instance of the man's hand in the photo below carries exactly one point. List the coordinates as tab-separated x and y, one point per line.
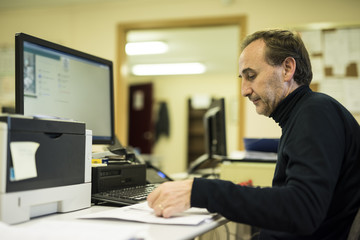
171	198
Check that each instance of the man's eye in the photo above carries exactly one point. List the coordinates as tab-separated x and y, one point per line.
251	77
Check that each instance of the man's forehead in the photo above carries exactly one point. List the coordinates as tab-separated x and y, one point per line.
252	54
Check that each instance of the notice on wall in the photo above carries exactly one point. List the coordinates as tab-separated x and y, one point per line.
335	60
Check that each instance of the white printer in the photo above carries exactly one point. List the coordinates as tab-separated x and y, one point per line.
45	167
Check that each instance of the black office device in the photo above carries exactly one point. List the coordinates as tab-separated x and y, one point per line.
153	174
215	136
126	179
124	184
56	81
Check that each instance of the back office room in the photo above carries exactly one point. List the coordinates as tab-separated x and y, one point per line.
92	26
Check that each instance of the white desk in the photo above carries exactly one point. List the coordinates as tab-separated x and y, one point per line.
146	231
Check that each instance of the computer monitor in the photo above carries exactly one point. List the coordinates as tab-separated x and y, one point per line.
215	137
215	130
56	81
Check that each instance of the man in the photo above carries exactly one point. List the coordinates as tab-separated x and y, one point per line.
316	185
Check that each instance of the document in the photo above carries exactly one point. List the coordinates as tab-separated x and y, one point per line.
143	213
74	229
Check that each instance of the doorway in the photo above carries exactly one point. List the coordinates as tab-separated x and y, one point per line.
140	117
121	71
173	150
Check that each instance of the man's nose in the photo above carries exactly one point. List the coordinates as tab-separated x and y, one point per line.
245	89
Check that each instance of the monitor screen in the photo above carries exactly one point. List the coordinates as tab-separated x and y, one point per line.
57	81
215	130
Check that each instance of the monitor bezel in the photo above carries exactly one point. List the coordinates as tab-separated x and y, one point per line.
20	38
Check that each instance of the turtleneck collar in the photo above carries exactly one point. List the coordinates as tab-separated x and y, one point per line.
283	110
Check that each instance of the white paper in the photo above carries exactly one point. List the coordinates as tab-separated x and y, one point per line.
200	101
336	53
318	69
334	88
142	213
354	45
138	100
346	91
351	95
23	158
76	229
312	41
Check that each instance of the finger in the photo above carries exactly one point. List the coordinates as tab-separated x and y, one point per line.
168	212
173	209
153	196
159	209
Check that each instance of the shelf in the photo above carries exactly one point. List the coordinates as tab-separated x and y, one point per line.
196	133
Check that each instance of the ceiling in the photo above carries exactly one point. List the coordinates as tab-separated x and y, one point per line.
216	47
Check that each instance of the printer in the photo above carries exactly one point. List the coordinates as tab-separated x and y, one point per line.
45	167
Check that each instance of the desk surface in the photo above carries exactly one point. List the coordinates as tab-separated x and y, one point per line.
146	231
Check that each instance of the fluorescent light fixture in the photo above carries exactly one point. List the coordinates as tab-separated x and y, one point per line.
144	48
168	69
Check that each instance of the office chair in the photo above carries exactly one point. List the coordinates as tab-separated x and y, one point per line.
354	233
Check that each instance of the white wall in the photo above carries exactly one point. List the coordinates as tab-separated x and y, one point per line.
92	28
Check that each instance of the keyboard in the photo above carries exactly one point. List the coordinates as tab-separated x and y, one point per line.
125	196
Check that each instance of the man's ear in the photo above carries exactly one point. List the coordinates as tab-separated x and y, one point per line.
289	66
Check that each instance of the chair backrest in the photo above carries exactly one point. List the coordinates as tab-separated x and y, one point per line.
354	233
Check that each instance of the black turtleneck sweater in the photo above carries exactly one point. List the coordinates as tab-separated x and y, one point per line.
316	185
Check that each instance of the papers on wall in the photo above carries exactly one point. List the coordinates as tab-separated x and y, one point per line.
345	91
351	96
142	213
335	51
335	59
312	40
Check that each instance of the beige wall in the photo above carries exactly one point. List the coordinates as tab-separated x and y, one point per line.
175	90
92	28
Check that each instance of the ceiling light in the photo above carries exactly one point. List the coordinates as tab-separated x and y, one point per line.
168	69
144	48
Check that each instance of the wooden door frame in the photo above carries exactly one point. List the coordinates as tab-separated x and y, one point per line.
120	84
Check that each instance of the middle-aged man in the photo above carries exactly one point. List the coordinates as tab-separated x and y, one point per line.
315	192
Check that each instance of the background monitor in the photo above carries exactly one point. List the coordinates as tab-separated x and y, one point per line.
215	130
57	81
215	137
